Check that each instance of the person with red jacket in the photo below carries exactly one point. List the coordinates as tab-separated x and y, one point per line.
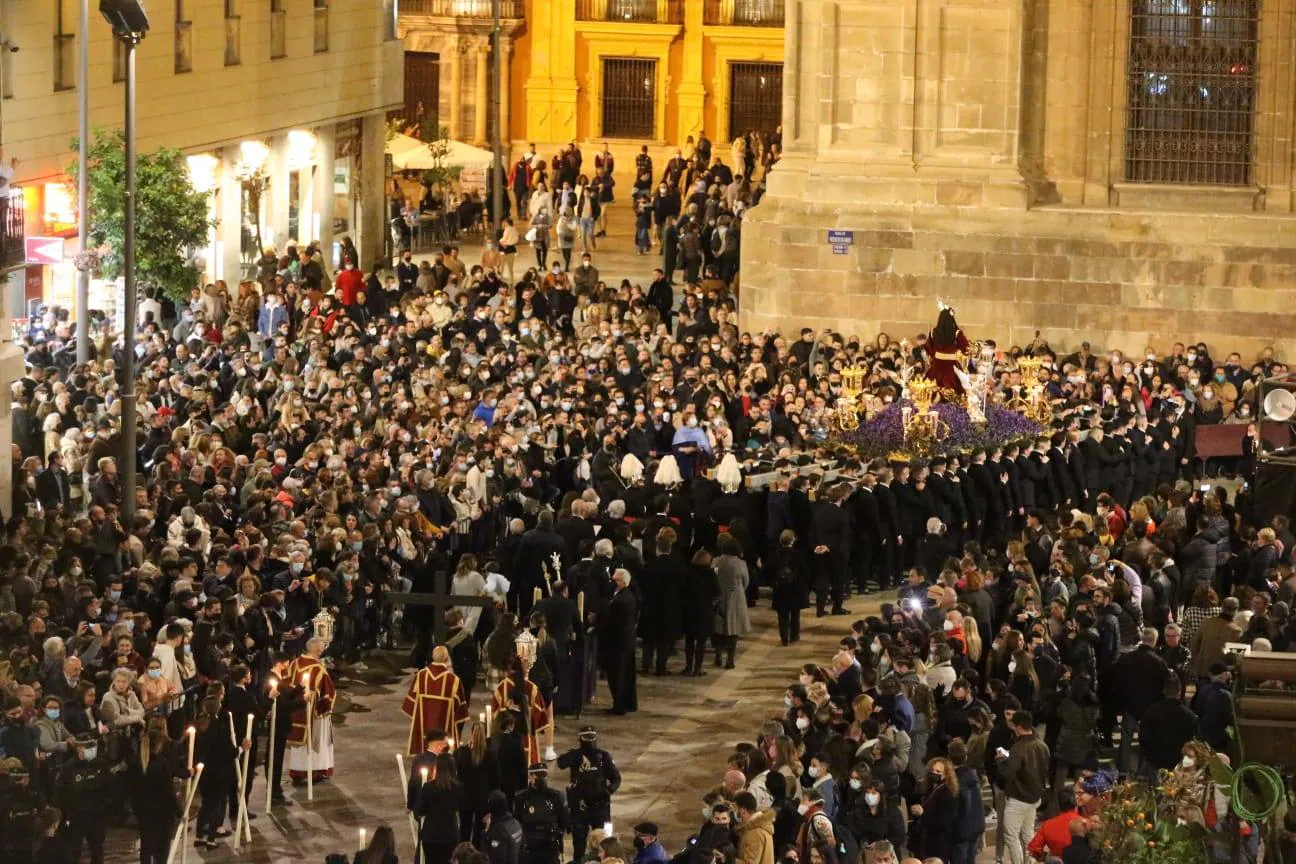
1054	835
349	283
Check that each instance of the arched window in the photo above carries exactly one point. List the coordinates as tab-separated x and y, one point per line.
1191	86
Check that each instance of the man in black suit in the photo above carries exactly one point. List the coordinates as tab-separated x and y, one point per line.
617	644
574	528
535	551
830	543
889	518
865	551
242	703
52	487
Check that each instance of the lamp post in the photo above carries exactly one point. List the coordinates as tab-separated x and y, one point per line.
129	23
497	175
83	183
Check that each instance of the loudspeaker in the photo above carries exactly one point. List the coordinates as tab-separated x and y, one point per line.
1275	491
126	17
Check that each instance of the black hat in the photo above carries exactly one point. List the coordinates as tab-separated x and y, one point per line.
538	768
588	733
647	828
1218	669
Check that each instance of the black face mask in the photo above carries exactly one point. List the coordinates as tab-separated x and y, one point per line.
539	782
640	843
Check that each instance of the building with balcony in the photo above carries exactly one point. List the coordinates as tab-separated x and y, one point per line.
280	106
629	72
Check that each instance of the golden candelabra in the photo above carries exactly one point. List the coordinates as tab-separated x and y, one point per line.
851	405
922	424
1032	403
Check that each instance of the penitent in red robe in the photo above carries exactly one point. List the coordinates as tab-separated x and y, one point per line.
945	359
436	700
505	700
320	682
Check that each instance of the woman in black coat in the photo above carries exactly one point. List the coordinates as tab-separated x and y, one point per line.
790	575
659	611
216	751
151	775
509	755
931	833
872	818
437	809
478	774
698	592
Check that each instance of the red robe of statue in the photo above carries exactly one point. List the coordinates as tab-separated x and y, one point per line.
505	700
945	359
435	701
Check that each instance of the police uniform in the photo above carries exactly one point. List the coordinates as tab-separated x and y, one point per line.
83	785
542	813
594	780
503	841
20	816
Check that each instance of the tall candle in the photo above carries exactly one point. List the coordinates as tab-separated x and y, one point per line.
424	772
192	733
488	720
362	839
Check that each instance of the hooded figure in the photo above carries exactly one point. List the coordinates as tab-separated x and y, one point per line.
729	475
632	470
668	473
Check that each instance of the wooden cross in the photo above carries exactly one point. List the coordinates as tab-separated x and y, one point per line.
440	600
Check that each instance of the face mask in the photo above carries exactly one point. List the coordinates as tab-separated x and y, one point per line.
1093	560
876	647
130	625
787	701
803	808
815	772
188	650
803	723
692	421
296	568
947	626
77	571
155	673
639	842
1188	762
706	813
52	713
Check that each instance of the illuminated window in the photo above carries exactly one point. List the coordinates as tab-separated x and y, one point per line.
1191	88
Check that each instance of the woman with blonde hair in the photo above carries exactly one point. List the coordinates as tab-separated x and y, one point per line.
478	772
152	773
787	761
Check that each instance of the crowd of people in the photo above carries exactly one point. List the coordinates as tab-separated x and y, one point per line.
324	438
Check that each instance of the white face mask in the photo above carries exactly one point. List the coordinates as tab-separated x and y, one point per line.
857	785
787	701
803	723
872	799
1188	762
947	626
815	772
876	646
803	808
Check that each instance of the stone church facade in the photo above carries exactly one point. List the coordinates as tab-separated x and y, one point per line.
1113	170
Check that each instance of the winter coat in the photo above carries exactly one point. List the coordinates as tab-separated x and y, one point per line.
1075	734
1197	561
1208	643
731	612
699	590
756	839
971	813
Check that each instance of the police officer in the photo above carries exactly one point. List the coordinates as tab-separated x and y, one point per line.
502	841
83	786
543	815
20	815
594	780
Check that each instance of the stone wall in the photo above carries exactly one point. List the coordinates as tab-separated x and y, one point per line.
976	150
1118	279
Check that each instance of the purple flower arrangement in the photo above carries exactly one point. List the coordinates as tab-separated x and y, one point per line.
883	434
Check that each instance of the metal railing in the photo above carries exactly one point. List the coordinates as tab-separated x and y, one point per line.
183	46
233	40
632	11
12	253
462	8
744	13
278	34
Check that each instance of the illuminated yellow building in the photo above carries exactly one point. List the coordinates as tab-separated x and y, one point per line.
630	72
295	92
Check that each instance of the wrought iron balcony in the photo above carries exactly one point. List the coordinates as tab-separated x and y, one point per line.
744	13
463	8
633	11
12	253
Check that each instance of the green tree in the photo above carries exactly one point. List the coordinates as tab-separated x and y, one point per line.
441	174
170	216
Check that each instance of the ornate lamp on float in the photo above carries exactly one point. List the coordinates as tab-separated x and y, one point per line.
1032	403
851	405
923	426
